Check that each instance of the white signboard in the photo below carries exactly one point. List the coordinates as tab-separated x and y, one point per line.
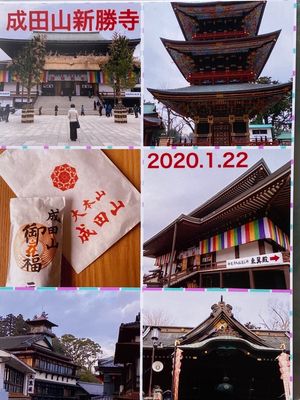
5	93
255	261
132	94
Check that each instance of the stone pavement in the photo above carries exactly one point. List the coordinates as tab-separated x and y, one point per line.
54	131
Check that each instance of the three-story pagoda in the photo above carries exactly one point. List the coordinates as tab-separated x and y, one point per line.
221	58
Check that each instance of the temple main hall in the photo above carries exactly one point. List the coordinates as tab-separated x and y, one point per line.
239	238
221	58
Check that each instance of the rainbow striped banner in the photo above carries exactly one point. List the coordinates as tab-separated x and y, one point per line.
94	77
262	228
5	76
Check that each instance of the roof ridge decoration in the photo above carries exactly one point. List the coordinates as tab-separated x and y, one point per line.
221	322
190	14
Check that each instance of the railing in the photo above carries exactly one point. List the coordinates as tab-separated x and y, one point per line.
224	76
219	35
159	280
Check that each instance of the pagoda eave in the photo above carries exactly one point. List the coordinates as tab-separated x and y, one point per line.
182	52
187	12
250	99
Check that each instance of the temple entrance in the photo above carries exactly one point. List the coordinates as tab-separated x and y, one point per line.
64	88
221	134
228	372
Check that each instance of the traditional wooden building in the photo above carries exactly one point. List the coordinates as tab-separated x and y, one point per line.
153	125
110	374
237	239
128	353
74	66
55	374
221	57
218	359
16	377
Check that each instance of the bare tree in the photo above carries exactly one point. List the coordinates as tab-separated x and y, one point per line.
156	318
278	318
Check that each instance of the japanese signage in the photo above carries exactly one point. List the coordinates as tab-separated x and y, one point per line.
255	261
79	20
36	241
101	204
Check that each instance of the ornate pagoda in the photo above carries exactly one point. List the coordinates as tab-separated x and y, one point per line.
221	58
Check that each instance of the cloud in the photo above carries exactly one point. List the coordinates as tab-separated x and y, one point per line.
84	313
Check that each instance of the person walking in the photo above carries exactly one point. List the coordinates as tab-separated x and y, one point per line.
56	110
82	110
70	97
74	122
108	109
136	110
40	110
95	105
6	112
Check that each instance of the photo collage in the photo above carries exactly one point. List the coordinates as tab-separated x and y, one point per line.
149	200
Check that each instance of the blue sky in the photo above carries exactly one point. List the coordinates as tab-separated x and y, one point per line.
84	313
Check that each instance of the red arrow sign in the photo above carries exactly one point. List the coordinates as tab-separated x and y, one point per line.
274	258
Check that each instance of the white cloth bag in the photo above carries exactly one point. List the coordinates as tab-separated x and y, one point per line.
101	204
35	241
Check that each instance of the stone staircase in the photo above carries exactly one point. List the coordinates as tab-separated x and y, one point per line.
49	102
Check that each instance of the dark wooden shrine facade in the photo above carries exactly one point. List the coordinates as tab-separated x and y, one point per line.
219	350
256	194
221	58
127	353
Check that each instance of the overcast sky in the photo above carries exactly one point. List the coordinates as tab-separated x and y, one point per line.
84	313
67	8
169	192
160	21
191	308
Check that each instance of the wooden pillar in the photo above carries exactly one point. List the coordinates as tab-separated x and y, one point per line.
236	251
221	279
261	246
172	253
200	280
251	278
287	277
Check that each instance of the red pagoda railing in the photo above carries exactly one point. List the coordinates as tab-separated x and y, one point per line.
219	35
213	76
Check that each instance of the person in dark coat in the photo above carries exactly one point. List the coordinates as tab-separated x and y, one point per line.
56	110
82	110
6	112
136	110
95	105
108	109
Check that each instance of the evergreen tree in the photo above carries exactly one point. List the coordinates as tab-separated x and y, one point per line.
12	325
28	64
83	351
280	114
120	65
